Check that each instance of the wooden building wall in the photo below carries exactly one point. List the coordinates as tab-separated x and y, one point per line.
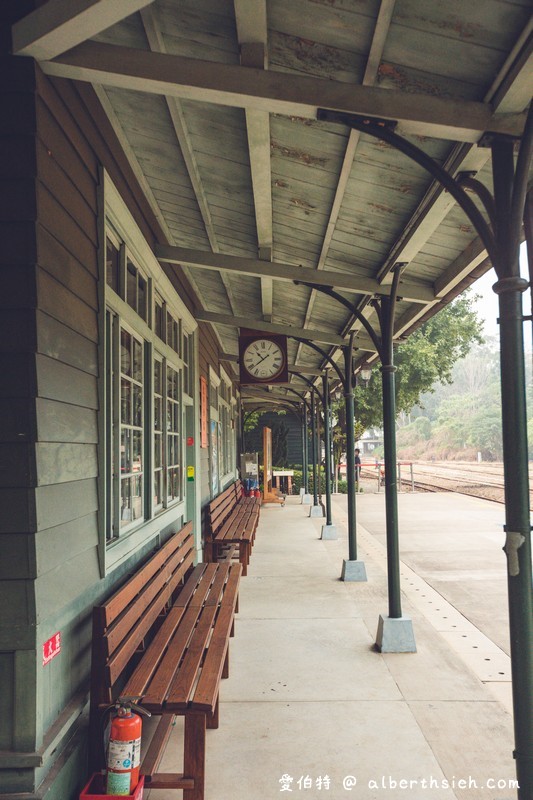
53	141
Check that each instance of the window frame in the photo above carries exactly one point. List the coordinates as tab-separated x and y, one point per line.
117	223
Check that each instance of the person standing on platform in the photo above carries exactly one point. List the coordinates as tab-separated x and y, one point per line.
357	460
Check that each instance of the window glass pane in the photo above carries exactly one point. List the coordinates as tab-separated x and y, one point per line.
112	262
142	297
158	455
158	377
137	361
137	452
125	352
125	450
136	498
170	328
137	406
159	319
131	286
158	497
125	401
125	502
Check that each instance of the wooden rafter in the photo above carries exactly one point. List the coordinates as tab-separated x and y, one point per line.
59	25
244	87
414	292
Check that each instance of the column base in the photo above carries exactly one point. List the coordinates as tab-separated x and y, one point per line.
329	532
316	511
353	571
306	499
395	635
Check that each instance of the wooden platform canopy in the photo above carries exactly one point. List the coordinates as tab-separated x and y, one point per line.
235	116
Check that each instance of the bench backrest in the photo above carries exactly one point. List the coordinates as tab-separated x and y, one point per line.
219	509
121	624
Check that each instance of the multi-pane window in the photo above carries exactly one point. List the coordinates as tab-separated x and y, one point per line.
174	440
131	428
146	377
158	434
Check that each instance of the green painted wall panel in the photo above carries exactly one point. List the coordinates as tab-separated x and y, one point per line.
81	535
64	501
61	382
63	462
64	344
61	422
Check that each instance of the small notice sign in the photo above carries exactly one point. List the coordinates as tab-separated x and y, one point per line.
190	473
190	441
51	648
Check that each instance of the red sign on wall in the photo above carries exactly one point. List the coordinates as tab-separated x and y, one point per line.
51	648
203	412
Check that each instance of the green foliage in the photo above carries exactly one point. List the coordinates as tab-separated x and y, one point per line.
297	481
462	418
425	359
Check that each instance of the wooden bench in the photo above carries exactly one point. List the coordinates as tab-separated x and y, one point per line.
232	522
163	637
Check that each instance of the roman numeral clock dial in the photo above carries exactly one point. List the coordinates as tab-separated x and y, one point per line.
263	360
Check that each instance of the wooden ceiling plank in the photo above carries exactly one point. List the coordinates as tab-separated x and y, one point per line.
381	30
59	25
157	44
303	95
252	33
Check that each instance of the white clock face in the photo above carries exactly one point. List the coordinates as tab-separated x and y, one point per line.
263	359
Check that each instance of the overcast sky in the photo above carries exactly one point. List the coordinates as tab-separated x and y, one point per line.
487	305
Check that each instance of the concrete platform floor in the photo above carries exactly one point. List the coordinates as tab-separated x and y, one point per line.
311	709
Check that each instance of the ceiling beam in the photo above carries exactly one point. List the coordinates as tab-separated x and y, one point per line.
362	342
59	25
180	256
283	93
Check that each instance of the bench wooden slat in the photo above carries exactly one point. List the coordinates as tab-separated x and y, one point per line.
136	685
154	696
206	692
171	660
117	602
218	586
179	694
170	573
123	654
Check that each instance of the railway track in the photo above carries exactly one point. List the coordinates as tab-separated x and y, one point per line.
478	480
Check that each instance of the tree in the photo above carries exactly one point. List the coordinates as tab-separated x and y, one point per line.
425	359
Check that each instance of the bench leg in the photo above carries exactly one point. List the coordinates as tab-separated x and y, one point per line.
225	668
243	557
194	755
212	721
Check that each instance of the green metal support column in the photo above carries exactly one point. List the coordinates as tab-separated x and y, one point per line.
395	632
352	569
350	449
391	496
305	454
313	449
327	444
514	421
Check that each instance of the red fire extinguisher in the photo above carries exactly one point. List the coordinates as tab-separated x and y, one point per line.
124	747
